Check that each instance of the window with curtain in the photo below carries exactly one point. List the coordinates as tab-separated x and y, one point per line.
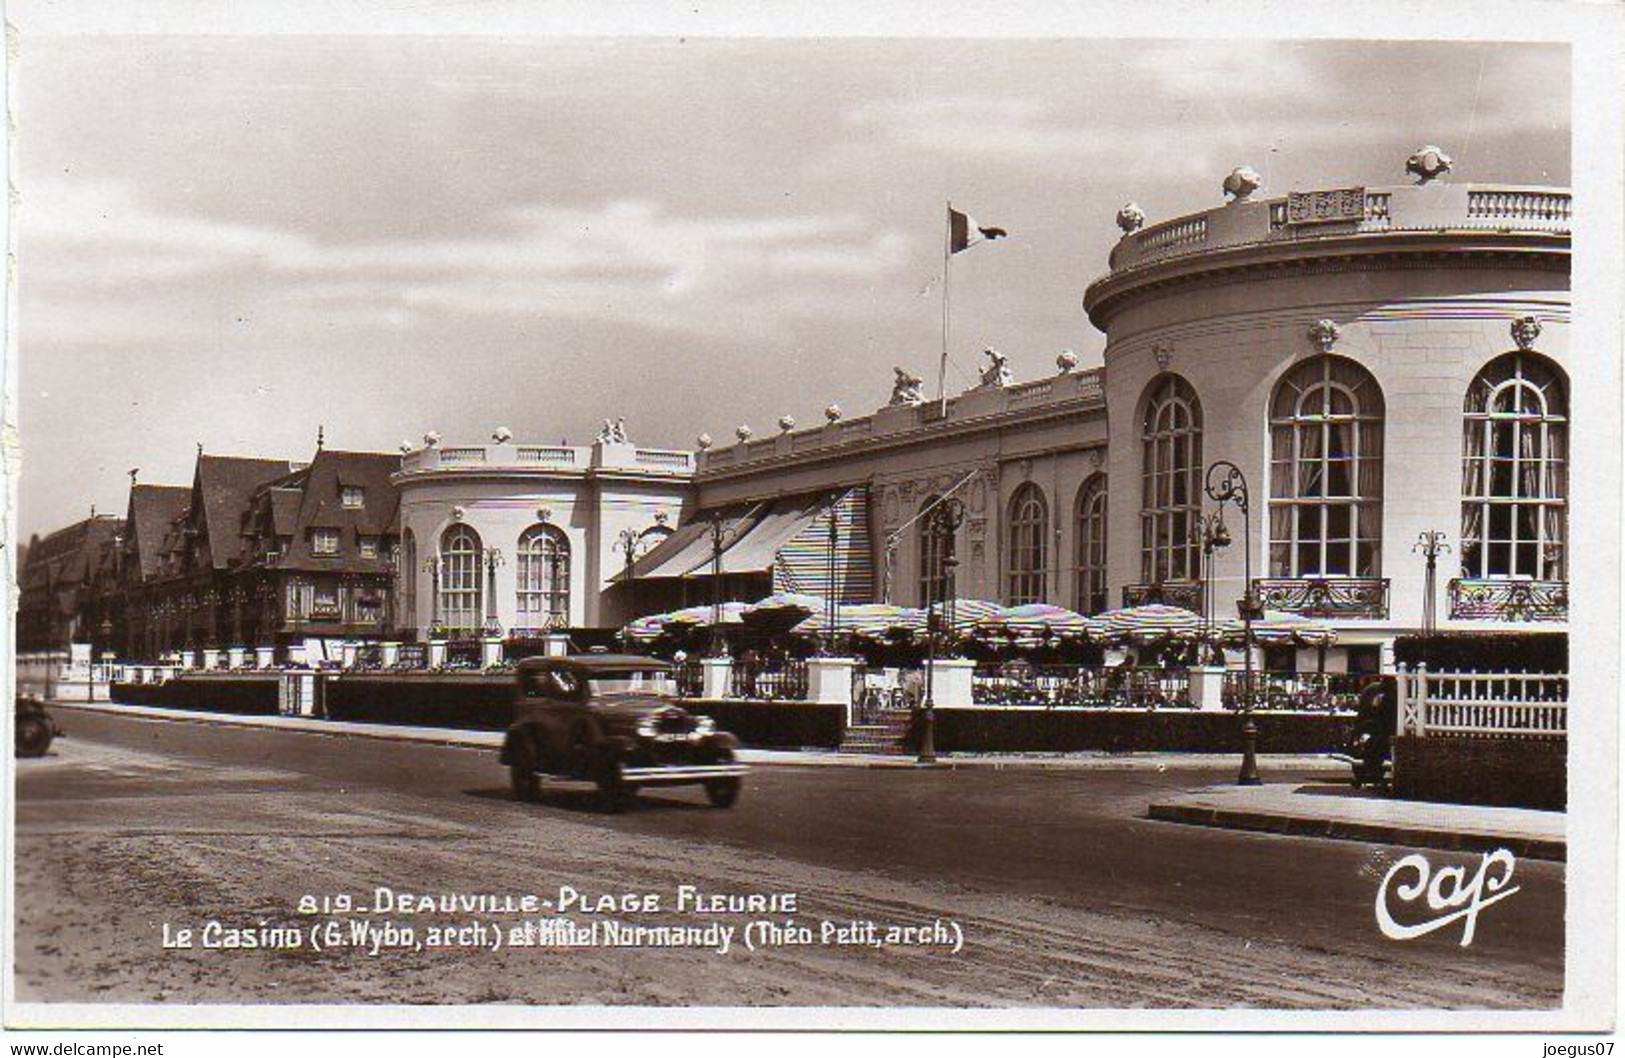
1029	527
461	589
1091	526
544	578
1326	423
1171	482
936	547
1514	506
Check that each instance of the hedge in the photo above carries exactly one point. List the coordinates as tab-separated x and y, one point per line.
1017	730
1485	651
241	695
475	703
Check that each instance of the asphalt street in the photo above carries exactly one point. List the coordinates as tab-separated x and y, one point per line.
1066	894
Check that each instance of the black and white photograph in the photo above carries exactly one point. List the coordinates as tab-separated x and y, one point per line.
524	516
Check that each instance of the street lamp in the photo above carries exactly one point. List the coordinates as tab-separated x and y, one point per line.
720	536
627	543
1225	483
832	615
432	565
1430	543
1211	535
944	521
493	559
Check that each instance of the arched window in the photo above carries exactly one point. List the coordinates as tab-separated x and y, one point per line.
1171	482
461	594
1091	526
1326	422
1514	491
544	578
408	586
1029	527
936	548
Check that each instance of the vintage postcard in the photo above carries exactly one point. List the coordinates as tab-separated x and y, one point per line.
528	517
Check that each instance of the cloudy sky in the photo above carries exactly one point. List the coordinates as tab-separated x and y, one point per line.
230	240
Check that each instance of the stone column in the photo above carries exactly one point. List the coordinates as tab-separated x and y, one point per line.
437	653
829	680
264	657
235	657
296	654
349	650
1207	688
490	652
714	674
389	654
555	645
951	682
211	658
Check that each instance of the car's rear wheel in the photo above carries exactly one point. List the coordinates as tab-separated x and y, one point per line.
613	792
526	786
33	736
723	792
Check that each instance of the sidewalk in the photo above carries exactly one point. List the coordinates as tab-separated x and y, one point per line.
442	736
1339	811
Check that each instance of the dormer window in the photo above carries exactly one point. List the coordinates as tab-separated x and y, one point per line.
353	497
324	541
369	547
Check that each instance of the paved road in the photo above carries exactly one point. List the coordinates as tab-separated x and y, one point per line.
1066	894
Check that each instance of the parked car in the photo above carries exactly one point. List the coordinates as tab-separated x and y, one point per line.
1370	748
613	720
35	728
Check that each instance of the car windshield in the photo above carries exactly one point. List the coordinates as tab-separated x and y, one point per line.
634	681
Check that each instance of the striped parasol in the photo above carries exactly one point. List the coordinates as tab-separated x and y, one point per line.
783	606
705	616
645	629
1154	621
1280	626
865	620
1036	622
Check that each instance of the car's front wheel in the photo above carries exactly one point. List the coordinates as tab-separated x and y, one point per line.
613	792
526	786
723	792
33	736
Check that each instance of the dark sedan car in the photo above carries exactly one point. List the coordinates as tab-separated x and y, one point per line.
613	720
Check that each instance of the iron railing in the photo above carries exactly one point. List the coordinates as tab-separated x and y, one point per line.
1325	596
1298	691
1509	600
771	681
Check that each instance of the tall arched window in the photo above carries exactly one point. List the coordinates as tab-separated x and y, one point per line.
408	586
1091	526
1514	510
461	594
1029	528
1171	485
1326	422
936	548
544	578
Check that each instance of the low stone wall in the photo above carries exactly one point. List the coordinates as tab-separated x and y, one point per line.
1509	771
1008	729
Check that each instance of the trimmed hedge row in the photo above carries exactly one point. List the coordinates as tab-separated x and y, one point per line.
776	725
1007	730
1486	651
1515	772
241	696
476	703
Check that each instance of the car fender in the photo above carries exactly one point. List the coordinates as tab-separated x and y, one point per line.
725	740
518	746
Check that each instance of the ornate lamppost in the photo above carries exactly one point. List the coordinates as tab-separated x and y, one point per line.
628	543
1211	535
832	614
1430	544
436	629
493	559
944	521
720	536
1226	484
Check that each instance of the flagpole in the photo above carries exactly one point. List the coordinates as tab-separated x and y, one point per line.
947	258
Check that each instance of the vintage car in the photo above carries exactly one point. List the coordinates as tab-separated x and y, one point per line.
35	728
613	720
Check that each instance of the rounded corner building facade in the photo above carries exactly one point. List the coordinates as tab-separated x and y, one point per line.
1383	366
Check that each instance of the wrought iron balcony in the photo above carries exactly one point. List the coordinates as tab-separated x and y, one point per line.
1325	596
1509	600
1186	594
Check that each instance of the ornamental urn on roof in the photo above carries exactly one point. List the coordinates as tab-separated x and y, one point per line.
1428	164
743	432
703	441
502	435
1130	218
1066	361
1242	182
787	423
833	413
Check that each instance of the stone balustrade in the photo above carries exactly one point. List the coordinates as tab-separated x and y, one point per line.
563	458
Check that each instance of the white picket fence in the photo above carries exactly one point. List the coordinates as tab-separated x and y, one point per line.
1531	704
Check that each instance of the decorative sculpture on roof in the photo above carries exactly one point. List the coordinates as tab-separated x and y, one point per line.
1428	164
787	423
431	438
1066	361
1242	182
703	441
1324	333
1130	218
997	372
1526	331
612	432
905	388
743	432
833	413
502	435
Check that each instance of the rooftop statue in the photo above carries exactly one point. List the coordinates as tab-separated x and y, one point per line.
905	388
997	372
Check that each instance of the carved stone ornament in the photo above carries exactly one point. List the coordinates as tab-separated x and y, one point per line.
431	438
743	432
905	388
544	514
1026	470
502	435
1164	352
406	446
787	423
457	514
1526	331
703	441
833	413
892	507
1324	335
997	373
1066	361
977	527
906	490
1427	164
1097	458
1130	218
1242	182
662	516
978	495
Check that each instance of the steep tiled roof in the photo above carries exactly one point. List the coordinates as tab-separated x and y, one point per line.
224	485
65	558
153	510
321	506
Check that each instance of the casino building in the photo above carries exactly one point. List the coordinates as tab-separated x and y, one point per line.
1376	363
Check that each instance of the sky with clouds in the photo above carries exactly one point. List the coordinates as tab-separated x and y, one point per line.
231	240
